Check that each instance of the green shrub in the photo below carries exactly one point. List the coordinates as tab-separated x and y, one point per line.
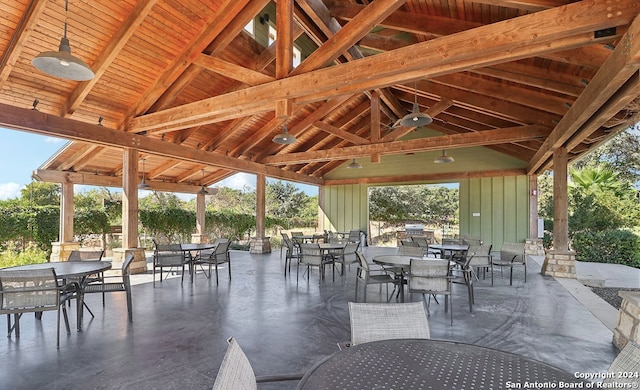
30	255
608	246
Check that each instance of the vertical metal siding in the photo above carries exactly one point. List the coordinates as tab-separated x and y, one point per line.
503	204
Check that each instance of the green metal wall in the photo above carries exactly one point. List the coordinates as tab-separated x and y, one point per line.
497	208
344	208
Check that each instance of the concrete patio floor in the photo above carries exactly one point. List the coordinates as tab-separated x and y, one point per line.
177	339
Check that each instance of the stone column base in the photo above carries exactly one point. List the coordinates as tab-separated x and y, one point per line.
139	265
199	239
559	264
260	245
534	247
628	325
60	250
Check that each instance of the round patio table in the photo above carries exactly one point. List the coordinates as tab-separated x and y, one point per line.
431	364
71	270
401	265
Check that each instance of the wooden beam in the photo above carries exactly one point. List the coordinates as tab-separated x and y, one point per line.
435	177
348	35
284	109
623	62
218	25
40	123
375	116
233	71
501	42
345	135
480	138
434	110
284	41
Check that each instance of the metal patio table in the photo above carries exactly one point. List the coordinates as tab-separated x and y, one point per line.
429	364
192	251
79	270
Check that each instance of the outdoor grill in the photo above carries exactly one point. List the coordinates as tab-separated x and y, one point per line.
414	229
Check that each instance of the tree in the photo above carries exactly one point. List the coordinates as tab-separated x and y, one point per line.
621	154
40	194
598	177
284	200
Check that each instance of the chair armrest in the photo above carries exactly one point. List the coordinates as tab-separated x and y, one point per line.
279	378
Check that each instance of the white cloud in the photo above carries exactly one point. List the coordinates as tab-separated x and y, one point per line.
9	190
239	181
53	140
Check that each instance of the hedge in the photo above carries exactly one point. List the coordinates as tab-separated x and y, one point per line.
608	246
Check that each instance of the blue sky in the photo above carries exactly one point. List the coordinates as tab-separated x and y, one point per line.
21	153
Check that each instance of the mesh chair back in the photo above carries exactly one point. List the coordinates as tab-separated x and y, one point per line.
363	268
21	290
382	321
235	371
310	253
80	255
168	255
627	361
222	249
349	252
430	276
513	251
354	236
480	255
406	250
452	241
420	241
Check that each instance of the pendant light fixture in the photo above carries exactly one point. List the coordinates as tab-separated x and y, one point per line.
61	63
284	138
203	190
416	118
143	184
354	165
444	158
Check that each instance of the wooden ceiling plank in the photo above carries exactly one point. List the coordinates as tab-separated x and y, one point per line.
411	22
216	25
480	138
501	42
21	35
140	11
33	121
614	73
527	5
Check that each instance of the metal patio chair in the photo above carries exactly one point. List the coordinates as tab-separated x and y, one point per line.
34	291
384	321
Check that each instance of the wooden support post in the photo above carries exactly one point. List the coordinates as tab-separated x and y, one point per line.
130	199
200	236
260	243
560	262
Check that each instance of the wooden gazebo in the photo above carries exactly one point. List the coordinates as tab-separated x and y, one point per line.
197	86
